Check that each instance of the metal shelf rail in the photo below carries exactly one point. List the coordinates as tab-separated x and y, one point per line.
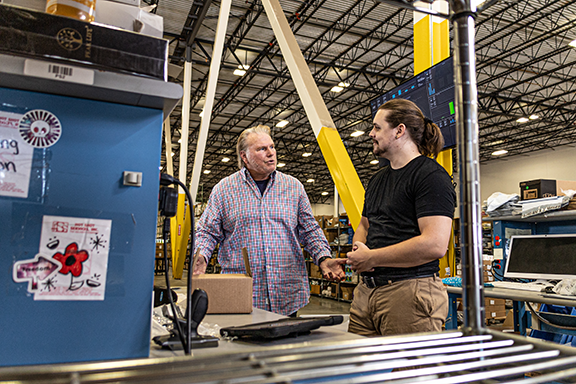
475	355
448	357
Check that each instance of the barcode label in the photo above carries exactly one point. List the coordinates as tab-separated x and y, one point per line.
60	72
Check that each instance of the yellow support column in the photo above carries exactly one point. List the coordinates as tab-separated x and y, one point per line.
343	173
432	45
180	234
337	159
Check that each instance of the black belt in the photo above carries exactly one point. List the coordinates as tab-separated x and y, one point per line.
378	281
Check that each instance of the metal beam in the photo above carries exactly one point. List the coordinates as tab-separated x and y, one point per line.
210	92
341	168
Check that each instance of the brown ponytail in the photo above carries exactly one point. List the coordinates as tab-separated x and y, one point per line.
425	134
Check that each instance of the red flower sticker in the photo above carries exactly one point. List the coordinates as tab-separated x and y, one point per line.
72	260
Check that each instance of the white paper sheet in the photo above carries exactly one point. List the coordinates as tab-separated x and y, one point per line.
15	157
81	245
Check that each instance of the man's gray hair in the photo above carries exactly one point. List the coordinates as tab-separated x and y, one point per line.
242	144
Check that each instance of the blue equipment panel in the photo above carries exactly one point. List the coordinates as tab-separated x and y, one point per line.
81	176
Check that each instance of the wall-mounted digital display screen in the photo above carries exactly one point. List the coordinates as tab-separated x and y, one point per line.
433	92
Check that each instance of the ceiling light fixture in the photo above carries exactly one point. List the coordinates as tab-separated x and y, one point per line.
282	123
522	120
207	171
496	142
500	152
172	154
201	113
241	71
572	44
306	154
225	159
374	162
280	165
310	180
340	87
324	193
357	133
534	117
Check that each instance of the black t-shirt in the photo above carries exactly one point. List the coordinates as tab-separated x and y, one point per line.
262	185
396	198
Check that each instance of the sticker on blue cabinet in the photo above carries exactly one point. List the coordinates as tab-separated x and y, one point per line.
40	128
79	246
15	157
35	271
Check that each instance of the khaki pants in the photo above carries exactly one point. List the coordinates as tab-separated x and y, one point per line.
406	306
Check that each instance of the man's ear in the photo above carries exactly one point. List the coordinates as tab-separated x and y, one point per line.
243	156
400	130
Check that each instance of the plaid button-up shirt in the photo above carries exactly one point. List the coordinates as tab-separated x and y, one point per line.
271	227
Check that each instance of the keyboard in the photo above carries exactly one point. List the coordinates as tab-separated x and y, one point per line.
521	286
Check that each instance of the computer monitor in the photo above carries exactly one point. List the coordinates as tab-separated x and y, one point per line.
433	92
549	257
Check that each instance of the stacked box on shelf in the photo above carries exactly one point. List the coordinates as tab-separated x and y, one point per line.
487	276
334	290
159	250
330	235
315	288
495	308
347	292
315	271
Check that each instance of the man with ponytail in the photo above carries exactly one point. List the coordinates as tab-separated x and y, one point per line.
404	230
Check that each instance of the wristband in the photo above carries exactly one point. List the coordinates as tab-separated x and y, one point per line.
320	260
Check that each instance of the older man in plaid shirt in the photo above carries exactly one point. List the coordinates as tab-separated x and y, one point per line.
267	212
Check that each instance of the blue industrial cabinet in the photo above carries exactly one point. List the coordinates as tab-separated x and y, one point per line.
106	129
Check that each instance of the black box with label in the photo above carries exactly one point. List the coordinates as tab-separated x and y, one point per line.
536	189
41	35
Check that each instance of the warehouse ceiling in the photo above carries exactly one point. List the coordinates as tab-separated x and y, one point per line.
525	67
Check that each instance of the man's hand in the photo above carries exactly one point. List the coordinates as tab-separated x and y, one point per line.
332	269
359	259
200	266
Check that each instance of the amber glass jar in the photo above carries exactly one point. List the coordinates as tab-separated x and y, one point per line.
77	9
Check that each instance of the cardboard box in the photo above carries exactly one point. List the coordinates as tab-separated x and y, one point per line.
334	291
490	301
536	189
315	289
330	235
129	17
227	293
130	2
564	185
496	314
347	292
315	271
57	38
